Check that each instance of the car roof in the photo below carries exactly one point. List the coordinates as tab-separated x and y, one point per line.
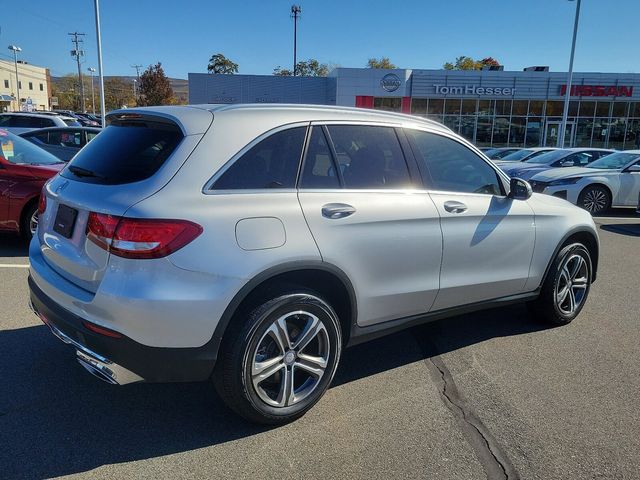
37	114
588	149
193	117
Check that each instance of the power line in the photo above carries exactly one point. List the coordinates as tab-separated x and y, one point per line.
77	53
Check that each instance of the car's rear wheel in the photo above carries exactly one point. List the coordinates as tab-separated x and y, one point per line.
566	288
595	199
29	222
279	358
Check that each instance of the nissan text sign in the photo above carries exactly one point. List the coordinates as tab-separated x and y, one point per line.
598	90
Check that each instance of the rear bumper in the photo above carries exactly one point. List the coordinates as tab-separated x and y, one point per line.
123	360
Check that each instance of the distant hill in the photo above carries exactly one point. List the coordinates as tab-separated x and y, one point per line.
179	85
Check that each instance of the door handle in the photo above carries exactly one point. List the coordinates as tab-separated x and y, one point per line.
334	211
455	207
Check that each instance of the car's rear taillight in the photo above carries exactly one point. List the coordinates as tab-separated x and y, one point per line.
42	202
140	237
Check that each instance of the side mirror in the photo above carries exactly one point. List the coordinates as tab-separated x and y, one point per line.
519	189
634	168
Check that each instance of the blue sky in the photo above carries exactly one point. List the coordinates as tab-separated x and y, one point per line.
258	34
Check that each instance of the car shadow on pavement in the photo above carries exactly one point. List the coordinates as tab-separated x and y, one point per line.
13	246
55	419
630	229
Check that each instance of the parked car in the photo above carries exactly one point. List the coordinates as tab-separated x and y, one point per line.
611	181
251	243
24	122
498	153
525	154
63	142
87	120
23	170
567	157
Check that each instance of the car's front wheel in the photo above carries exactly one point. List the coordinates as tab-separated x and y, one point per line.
279	358
566	288
595	199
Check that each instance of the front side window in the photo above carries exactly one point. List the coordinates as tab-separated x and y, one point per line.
453	167
271	163
369	157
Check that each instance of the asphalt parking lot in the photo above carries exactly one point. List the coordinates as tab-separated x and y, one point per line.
488	395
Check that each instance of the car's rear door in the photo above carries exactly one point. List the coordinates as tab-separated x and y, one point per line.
488	237
629	187
369	218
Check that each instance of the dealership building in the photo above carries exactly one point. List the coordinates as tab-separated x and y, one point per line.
488	107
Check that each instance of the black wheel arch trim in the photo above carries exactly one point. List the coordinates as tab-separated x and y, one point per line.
288	267
561	244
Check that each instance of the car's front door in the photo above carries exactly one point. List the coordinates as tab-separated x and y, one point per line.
488	238
629	186
368	217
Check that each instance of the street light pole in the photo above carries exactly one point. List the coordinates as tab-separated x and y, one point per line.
15	62
93	96
99	42
565	113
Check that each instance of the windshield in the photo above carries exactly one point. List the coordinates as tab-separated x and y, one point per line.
17	150
548	157
614	161
517	155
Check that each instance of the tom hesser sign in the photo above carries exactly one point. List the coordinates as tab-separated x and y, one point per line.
473	90
598	90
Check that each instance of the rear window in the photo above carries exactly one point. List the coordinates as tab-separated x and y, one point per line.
124	153
71	122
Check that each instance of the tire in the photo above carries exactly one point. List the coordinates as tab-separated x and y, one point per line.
595	199
257	359
560	300
30	213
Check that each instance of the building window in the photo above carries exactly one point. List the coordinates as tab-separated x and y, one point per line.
19	84
6	84
419	106
41	87
390	104
30	85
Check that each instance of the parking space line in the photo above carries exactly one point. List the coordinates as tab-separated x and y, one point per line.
13	265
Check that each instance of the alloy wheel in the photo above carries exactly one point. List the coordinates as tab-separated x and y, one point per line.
572	284
595	200
33	223
290	359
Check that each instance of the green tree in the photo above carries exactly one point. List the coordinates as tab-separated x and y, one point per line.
383	62
218	63
304	68
118	93
155	88
467	63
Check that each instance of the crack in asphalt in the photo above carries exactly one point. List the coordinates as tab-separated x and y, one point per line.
493	459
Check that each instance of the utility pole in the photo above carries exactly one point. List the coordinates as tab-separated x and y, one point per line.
295	14
565	112
15	62
136	83
77	53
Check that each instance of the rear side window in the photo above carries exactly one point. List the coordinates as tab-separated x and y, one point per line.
452	167
271	163
369	157
124	153
319	168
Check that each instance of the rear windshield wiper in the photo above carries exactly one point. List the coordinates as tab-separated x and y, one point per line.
83	172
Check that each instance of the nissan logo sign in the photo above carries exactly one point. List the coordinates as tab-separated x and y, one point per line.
390	82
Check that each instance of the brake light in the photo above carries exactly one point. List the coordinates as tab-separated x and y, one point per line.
42	202
140	237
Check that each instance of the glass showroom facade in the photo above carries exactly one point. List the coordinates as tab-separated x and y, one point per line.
489	108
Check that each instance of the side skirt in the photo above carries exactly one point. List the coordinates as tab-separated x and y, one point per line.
370	332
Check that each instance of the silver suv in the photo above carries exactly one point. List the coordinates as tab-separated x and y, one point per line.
250	244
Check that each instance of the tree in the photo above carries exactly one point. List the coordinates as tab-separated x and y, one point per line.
304	68
468	63
154	88
383	62
118	93
218	63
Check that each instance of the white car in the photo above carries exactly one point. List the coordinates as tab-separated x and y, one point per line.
25	122
611	181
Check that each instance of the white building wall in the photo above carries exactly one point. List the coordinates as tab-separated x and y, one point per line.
34	85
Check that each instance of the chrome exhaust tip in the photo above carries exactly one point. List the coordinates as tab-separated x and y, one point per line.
96	369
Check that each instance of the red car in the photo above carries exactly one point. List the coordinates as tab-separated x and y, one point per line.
24	169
